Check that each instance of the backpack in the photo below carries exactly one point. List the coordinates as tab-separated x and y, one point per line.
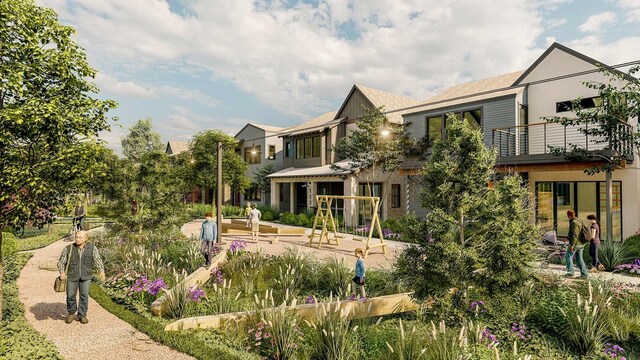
584	237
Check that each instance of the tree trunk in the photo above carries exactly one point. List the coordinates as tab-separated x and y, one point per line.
1	274
609	206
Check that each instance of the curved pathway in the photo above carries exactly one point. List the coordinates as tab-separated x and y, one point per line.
104	337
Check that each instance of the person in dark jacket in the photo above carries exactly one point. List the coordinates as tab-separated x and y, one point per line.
574	247
82	258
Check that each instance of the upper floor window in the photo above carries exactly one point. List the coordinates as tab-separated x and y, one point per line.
288	149
585	103
252	154
308	147
272	152
437	124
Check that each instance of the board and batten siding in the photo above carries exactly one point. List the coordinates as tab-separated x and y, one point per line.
414	197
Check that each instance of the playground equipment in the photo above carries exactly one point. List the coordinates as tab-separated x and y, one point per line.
325	216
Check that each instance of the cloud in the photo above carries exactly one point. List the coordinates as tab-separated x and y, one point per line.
298	58
128	88
597	22
612	53
631	9
555	23
188	94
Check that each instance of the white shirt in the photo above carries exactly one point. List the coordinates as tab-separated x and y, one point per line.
255	215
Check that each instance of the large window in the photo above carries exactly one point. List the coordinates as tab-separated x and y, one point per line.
252	154
288	149
395	195
585	103
553	199
252	194
437	124
308	147
272	152
365	208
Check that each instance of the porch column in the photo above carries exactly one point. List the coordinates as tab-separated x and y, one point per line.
275	193
350	205
292	197
311	194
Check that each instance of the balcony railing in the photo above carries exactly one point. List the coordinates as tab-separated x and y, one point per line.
538	139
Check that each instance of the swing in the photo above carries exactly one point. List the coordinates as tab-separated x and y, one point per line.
325	216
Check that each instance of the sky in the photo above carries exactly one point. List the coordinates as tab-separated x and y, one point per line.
194	65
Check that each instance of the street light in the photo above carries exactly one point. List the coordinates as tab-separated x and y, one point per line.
385	132
219	197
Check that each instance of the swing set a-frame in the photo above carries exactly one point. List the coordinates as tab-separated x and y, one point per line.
324	216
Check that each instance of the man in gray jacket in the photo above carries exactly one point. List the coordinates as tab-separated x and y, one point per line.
82	257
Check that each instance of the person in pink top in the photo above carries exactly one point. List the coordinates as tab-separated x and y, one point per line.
594	244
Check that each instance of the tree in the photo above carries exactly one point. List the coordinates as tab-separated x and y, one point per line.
141	140
204	149
49	121
474	235
606	125
262	181
376	147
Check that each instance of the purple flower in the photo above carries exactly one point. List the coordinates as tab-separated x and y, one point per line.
614	351
237	246
310	300
155	286
196	294
216	274
488	336
520	331
477	306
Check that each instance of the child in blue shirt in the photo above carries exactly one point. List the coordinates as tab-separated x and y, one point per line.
358	280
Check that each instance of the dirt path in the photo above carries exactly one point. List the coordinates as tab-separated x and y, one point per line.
104	337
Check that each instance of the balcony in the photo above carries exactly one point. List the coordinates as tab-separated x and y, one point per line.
531	144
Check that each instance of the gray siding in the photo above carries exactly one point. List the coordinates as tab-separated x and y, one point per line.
355	106
496	113
415	199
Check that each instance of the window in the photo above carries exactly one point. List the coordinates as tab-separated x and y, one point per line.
585	103
434	129
272	152
288	149
252	154
308	147
437	124
395	195
252	194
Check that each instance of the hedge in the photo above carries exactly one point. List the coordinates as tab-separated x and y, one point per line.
183	341
18	340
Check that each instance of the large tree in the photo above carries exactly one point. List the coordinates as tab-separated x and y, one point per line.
474	234
141	140
49	119
204	150
607	126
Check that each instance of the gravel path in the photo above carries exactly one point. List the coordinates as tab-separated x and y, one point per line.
104	337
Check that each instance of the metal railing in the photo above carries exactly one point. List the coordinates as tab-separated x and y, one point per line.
535	139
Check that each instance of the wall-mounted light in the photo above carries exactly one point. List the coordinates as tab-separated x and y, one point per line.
385	131
254	151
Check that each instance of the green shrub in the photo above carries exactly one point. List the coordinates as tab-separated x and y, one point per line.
332	337
269	213
9	244
288	218
612	254
335	277
198	211
18	340
632	246
188	342
302	220
409	345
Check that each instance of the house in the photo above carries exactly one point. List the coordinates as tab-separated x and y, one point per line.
550	84
308	157
176	147
259	146
510	110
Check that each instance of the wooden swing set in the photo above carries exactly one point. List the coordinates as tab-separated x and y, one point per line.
325	216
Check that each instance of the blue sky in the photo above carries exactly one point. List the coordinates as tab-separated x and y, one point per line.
193	65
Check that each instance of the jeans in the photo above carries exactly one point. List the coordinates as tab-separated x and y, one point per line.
205	249
72	290
593	252
568	258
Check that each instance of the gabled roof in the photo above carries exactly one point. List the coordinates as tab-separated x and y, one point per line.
176	147
265	128
313	125
572	52
381	98
489	88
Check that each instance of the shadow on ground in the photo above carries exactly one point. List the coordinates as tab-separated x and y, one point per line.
44	311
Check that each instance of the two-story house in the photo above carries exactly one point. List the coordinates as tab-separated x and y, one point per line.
259	146
308	157
511	109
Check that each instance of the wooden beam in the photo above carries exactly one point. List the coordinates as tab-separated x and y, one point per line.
198	277
377	306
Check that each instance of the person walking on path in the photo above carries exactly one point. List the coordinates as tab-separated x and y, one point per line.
358	280
208	237
79	214
254	217
574	247
594	244
80	257
247	214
